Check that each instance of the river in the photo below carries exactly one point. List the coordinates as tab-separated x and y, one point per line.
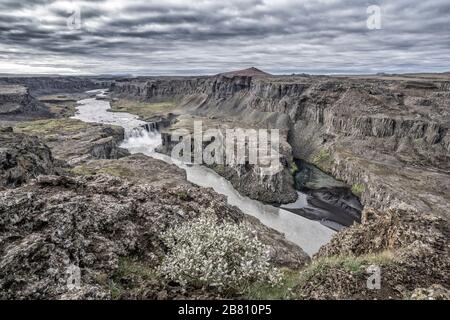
310	235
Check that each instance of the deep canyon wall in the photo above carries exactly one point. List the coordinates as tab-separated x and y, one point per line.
41	85
376	134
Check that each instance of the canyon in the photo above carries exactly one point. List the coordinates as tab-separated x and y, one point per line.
375	132
384	139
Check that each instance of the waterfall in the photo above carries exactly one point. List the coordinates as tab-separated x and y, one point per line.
142	137
151	126
147	129
145	138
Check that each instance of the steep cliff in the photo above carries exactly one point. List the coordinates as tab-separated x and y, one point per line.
343	106
388	137
16	103
409	249
372	132
23	158
250	178
74	141
55	84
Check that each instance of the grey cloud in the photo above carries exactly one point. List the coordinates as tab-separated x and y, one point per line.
172	37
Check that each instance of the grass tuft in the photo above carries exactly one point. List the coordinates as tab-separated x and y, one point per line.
348	263
319	268
142	109
293	168
282	291
128	268
322	159
50	127
358	189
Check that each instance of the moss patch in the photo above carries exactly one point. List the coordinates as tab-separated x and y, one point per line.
50	127
115	170
323	159
293	168
283	291
129	274
82	171
142	109
348	263
358	189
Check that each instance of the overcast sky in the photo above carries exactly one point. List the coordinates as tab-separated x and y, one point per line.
149	37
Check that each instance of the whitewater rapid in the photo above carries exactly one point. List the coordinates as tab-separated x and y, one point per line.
308	234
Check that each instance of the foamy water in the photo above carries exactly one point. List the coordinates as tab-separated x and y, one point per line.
308	234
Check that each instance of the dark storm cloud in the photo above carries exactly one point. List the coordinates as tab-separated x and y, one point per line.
179	36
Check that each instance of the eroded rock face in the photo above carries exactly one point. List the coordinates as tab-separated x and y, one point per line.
410	248
251	182
388	137
16	103
22	158
154	89
61	226
251	179
47	85
76	142
394	229
373	129
136	168
434	292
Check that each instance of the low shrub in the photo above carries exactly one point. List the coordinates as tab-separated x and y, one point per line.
223	257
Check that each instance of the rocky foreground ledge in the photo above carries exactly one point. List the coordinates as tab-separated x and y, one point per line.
95	223
16	103
65	205
409	248
105	219
107	226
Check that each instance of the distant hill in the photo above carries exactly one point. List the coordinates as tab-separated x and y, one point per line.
250	72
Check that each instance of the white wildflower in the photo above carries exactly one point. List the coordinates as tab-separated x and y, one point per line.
224	256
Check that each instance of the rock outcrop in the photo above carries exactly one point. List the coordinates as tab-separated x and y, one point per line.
249	178
74	141
16	103
56	84
67	238
23	158
81	234
409	248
